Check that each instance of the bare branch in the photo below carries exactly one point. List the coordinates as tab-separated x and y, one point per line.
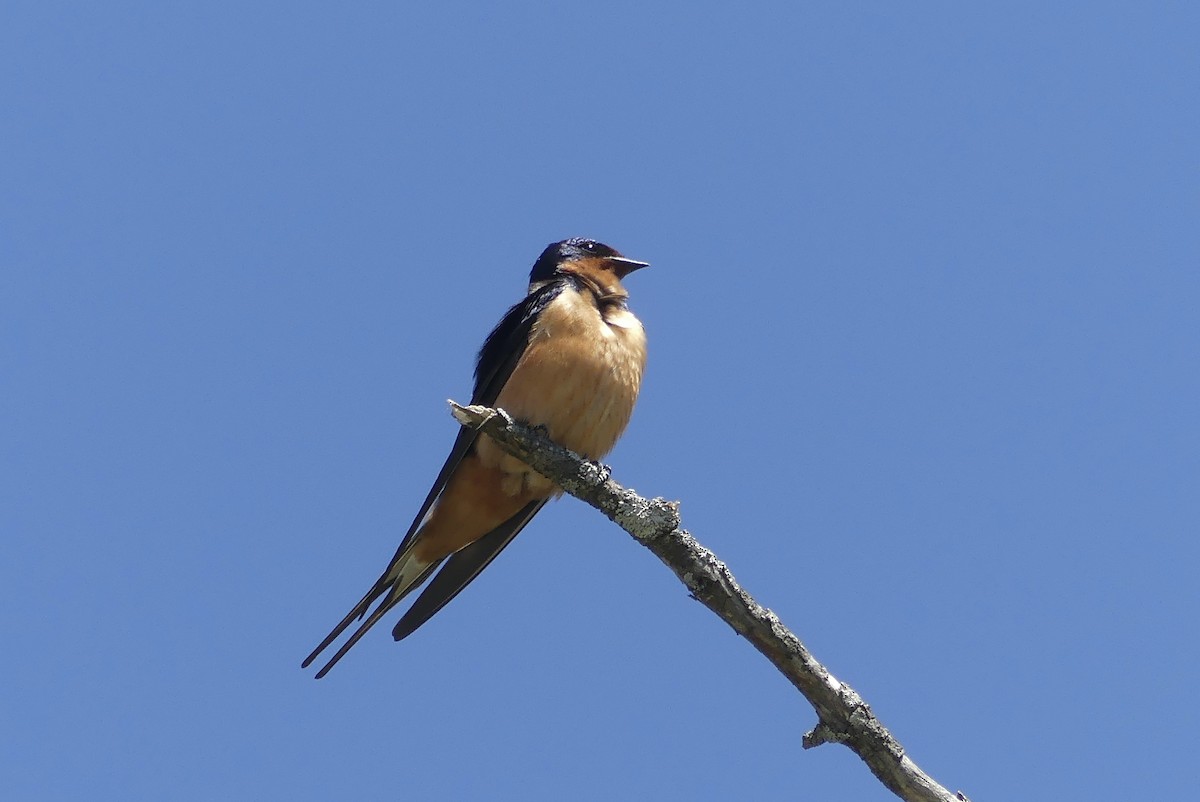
843	716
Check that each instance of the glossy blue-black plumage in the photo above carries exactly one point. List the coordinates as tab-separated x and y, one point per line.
506	344
568	250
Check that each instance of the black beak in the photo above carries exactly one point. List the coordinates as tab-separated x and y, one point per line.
623	266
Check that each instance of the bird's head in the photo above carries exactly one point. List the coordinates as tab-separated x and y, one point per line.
577	254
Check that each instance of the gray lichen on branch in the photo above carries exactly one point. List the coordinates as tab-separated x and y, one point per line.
842	715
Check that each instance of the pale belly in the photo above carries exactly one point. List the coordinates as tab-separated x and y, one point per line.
579	378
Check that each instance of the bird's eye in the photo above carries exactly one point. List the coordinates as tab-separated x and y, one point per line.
590	245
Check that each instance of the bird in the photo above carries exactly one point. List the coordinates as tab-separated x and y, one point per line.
567	358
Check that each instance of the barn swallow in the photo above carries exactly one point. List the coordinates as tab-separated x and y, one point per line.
568	357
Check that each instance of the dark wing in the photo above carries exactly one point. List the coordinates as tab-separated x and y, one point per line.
505	346
501	351
461	569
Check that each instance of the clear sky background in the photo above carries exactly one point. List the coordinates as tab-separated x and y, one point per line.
923	328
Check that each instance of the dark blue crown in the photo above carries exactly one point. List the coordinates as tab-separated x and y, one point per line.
568	250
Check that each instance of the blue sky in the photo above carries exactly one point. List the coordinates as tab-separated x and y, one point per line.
923	330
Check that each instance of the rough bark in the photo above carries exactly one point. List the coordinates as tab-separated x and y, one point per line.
842	715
